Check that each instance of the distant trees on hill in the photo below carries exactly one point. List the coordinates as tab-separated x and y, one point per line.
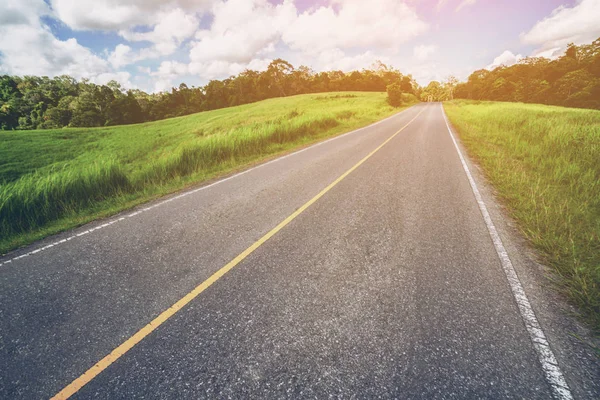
572	80
32	102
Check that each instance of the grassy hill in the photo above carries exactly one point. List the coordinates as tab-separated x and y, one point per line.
545	163
51	180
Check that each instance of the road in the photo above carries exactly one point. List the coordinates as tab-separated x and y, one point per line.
377	277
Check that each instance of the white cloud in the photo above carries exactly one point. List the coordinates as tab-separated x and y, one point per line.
506	59
174	27
224	69
243	32
335	59
344	34
350	24
423	52
171	69
122	77
552	53
578	24
22	12
45	54
122	55
166	72
341	36
425	73
242	29
118	14
167	23
28	47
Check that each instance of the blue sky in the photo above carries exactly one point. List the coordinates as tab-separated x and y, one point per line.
155	44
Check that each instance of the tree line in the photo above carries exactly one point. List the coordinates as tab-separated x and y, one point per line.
32	102
571	80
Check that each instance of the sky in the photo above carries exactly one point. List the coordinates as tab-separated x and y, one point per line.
156	44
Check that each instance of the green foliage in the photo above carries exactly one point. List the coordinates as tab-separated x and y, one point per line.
39	102
55	179
394	93
544	163
572	80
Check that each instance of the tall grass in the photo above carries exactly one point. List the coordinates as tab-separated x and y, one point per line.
56	179
246	142
36	199
545	163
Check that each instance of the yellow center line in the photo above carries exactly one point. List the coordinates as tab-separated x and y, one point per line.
127	345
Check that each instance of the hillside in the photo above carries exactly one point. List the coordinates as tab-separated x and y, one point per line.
56	179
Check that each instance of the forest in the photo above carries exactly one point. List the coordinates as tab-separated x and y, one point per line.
40	102
572	80
31	102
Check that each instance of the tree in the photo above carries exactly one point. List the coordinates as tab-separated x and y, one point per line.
10	103
394	94
434	92
450	86
278	72
60	115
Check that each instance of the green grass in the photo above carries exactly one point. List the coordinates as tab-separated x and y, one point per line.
545	164
52	180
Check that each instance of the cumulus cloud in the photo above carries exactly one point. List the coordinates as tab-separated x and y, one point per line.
506	59
24	12
45	54
28	47
577	24
340	36
121	55
336	59
164	24
123	77
343	34
118	14
168	71
423	52
223	69
350	24
241	30
174	27
242	35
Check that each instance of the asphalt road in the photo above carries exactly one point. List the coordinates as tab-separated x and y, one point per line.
388	285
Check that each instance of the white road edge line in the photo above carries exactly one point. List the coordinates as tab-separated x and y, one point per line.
189	192
552	371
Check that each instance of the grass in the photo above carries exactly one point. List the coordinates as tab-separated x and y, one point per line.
52	180
545	164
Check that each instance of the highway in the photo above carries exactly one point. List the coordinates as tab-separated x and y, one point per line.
376	264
